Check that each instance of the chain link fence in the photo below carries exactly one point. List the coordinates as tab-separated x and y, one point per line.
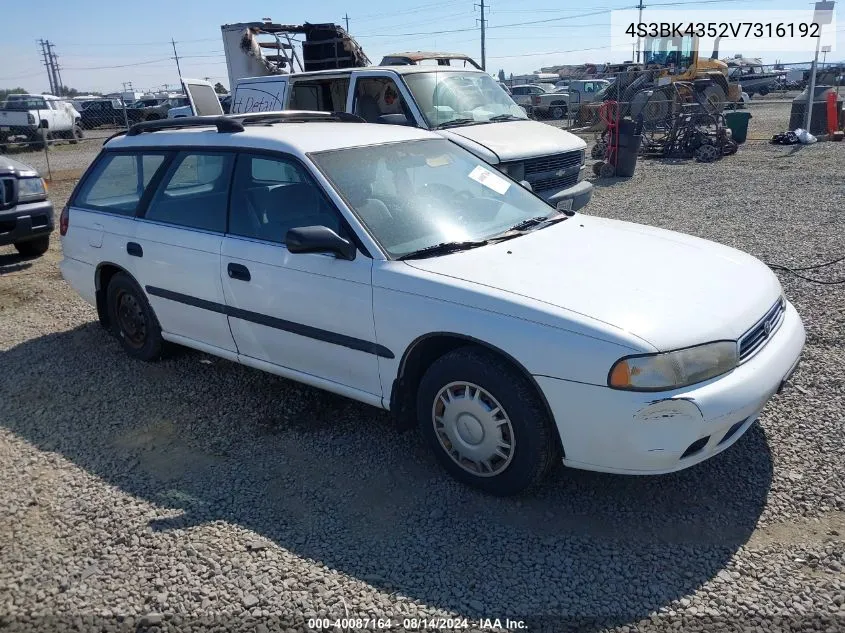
61	136
574	104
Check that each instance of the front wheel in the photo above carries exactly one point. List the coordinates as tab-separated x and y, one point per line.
132	319
33	248
485	422
75	134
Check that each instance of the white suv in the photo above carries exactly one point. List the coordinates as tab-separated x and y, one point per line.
386	264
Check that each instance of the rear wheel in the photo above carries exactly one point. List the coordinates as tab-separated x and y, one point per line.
714	97
75	135
557	111
132	319
33	248
485	422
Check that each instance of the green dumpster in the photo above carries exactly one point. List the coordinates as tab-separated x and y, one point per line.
738	123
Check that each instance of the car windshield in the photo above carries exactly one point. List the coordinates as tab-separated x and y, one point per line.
451	96
414	195
34	103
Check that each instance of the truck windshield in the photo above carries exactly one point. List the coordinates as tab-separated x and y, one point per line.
415	195
668	51
444	96
25	104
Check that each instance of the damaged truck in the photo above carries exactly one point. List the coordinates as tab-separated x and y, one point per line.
451	97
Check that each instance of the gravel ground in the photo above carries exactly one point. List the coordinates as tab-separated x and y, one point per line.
195	494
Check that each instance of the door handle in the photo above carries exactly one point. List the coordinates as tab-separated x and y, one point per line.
238	271
134	249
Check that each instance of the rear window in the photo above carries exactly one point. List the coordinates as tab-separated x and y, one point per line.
118	182
195	192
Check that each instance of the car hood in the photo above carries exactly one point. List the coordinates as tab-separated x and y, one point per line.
668	289
12	166
515	140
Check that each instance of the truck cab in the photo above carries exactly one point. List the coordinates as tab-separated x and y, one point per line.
466	106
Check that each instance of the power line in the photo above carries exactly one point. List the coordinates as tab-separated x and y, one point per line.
151	61
496	26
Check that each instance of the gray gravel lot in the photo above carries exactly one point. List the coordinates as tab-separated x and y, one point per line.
195	494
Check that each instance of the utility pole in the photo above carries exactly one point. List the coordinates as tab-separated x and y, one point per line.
47	65
346	19
639	21
483	43
176	57
57	77
822	15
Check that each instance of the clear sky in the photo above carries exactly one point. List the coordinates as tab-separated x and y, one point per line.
102	43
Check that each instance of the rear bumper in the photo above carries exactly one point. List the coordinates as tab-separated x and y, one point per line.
13	131
25	222
580	195
654	433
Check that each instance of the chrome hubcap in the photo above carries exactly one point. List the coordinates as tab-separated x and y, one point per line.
473	429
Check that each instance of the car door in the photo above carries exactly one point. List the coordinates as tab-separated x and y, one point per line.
378	97
177	249
310	313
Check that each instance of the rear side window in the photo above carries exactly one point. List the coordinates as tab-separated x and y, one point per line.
118	182
195	192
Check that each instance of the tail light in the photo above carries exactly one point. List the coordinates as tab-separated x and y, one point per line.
64	221
535	99
30	118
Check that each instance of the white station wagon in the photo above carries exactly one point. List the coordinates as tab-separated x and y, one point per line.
389	265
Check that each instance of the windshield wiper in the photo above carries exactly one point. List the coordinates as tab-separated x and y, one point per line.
540	221
454	122
444	248
505	117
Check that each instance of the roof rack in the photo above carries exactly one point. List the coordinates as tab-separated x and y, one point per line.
222	123
295	116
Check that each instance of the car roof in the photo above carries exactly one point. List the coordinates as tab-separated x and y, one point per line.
401	70
294	138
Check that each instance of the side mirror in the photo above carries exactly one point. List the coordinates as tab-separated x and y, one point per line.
526	185
319	239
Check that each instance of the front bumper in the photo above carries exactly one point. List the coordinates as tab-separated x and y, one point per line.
579	193
653	433
25	222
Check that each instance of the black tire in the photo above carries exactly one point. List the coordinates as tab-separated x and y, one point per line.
534	442
75	135
132	319
33	248
557	111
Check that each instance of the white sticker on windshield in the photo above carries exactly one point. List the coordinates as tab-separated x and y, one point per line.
490	180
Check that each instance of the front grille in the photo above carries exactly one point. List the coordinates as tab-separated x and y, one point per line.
759	335
554	162
732	431
563	182
7	192
695	447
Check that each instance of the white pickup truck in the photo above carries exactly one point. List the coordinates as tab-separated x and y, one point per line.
557	102
37	119
465	106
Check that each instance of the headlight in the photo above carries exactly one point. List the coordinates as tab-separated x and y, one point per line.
31	189
671	370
